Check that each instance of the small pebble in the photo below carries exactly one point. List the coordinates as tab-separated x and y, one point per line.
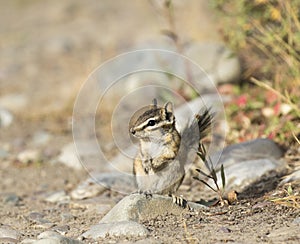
63	229
52	237
41	138
66	217
11	199
6	118
3	154
58	196
29	156
48	234
296	221
35	216
260	205
224	230
39	220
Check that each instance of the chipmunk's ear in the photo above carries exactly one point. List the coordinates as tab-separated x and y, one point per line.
168	112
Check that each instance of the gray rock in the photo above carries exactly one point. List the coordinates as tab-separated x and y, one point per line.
117	229
137	207
250	150
294	176
11	198
245	163
98	183
87	189
48	234
57	196
35	216
57	240
219	63
52	237
8	232
62	229
66	217
6	118
39	220
243	174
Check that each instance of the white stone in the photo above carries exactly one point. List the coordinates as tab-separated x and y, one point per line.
294	176
68	156
6	118
13	102
41	138
8	232
28	156
117	229
59	196
52	237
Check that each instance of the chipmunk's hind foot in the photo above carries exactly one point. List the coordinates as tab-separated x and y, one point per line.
181	202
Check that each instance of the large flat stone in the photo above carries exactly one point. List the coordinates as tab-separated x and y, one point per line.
117	229
137	207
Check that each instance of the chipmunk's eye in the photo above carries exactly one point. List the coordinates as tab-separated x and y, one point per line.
151	122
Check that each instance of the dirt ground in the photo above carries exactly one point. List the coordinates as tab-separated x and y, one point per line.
253	219
48	48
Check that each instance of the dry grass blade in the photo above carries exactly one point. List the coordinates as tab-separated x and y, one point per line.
282	97
296	138
289	201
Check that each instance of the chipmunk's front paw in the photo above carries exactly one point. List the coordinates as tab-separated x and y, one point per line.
180	201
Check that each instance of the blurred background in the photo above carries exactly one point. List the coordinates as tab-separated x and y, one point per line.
49	48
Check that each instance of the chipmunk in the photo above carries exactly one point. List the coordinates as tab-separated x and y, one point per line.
163	151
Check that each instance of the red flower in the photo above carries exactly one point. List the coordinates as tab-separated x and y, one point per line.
241	101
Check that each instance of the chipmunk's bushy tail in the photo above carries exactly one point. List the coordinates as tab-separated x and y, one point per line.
197	129
205	120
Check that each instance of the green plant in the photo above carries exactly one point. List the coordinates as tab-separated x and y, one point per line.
211	175
266	34
291	198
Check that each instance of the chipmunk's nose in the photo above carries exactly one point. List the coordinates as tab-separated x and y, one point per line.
132	131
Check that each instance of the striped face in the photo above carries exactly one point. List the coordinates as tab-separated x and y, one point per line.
151	121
